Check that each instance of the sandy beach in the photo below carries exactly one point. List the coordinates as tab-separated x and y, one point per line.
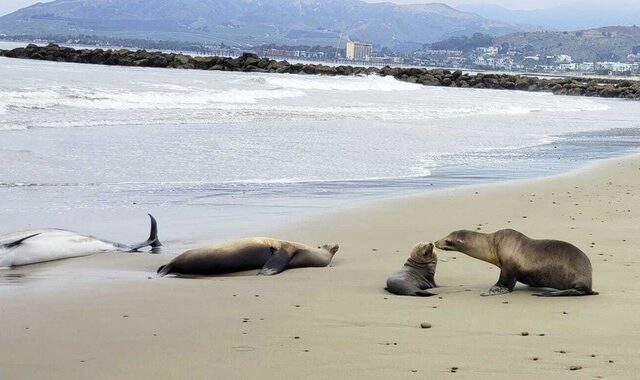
110	316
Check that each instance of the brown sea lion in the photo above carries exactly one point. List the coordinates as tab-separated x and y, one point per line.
417	273
272	255
537	263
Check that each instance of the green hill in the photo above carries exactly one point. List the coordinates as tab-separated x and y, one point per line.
613	43
291	22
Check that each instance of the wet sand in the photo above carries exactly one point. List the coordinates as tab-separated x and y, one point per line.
109	316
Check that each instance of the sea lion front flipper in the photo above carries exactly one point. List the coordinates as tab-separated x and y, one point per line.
424	293
496	290
276	263
505	285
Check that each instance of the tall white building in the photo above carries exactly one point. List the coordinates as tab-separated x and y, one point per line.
358	51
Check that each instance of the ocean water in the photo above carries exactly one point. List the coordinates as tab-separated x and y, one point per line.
218	155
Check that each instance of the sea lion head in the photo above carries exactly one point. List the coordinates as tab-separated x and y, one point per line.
455	241
331	248
423	253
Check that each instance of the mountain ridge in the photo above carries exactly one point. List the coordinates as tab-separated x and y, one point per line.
564	17
250	22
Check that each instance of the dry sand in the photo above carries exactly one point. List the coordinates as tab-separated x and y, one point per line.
109	316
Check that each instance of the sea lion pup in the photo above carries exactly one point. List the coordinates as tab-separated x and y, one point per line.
537	263
417	273
272	255
37	246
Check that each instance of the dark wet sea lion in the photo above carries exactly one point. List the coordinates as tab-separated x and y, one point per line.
537	263
272	255
417	273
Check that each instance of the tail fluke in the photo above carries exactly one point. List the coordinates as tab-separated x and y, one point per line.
164	270
153	240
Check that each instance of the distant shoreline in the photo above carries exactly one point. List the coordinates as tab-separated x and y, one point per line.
248	62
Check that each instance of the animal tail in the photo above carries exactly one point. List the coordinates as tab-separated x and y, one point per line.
153	240
164	270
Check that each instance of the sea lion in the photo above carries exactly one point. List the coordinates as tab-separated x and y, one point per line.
272	255
417	273
36	246
537	263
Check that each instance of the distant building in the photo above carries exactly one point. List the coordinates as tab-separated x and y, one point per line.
491	50
387	60
563	58
585	66
615	67
358	51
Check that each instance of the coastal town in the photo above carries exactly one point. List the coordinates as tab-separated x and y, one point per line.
501	58
481	58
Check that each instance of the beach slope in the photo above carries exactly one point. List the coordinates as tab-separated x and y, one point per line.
110	316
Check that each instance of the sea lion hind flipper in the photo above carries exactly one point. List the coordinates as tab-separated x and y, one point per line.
16	243
276	263
164	270
152	241
567	293
424	293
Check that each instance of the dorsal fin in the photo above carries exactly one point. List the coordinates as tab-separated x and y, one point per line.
19	241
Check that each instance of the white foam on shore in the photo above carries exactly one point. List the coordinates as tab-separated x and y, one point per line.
123	100
323	83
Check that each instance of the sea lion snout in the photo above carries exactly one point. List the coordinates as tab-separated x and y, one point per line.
332	248
427	247
454	241
423	252
445	244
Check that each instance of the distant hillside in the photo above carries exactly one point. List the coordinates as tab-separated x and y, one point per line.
464	43
578	16
613	43
253	21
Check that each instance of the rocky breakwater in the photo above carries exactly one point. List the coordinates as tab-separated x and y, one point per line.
248	62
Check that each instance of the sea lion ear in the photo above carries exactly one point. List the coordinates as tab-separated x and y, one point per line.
16	243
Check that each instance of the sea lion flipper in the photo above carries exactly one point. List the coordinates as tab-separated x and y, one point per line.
276	263
567	293
164	270
506	283
496	290
424	293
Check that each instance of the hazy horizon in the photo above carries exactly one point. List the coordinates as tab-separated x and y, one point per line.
8	6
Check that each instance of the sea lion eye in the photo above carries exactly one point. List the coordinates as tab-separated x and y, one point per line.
448	242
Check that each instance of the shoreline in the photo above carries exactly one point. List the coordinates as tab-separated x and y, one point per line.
249	62
325	322
188	226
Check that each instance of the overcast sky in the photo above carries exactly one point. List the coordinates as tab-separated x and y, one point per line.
513	4
7	6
